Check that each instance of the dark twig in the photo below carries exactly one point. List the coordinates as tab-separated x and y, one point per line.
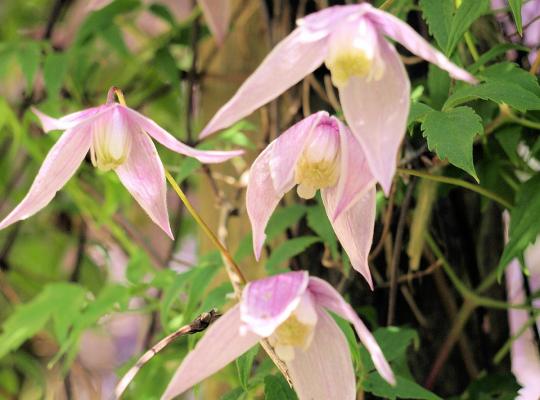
396	253
199	324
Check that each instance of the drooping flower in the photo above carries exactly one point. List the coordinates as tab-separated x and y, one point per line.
319	152
291	310
373	85
118	139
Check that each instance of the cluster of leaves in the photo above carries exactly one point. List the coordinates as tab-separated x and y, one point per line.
470	132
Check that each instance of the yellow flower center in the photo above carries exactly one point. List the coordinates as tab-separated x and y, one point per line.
348	63
311	176
111	142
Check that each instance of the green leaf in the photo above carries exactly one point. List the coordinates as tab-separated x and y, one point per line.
438	14
438	84
495	51
515	7
494	386
54	71
29	55
289	249
166	65
172	294
59	301
499	92
450	134
277	388
188	165
283	218
418	112
393	341
162	12
244	365
114	37
404	388
524	217
319	223
103	18
466	14
512	73
138	267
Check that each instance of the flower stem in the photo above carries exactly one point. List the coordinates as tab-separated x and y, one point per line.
458	182
237	278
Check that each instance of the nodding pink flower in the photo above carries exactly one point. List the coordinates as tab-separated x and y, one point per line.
291	311
319	152
118	139
373	85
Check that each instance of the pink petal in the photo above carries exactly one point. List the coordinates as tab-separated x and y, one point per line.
355	176
59	165
377	113
169	141
326	20
294	57
325	369
144	177
217	15
261	197
354	227
407	36
221	344
288	148
267	303
328	297
67	121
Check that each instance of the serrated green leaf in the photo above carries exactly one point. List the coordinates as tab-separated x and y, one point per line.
438	14
29	56
289	249
466	14
283	218
450	134
499	92
515	7
404	388
418	112
393	341
277	388
438	84
54	71
524	226
244	364
510	72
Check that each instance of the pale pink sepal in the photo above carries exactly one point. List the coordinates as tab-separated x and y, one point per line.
267	303
355	175
287	149
66	122
328	297
169	141
217	14
294	57
261	198
354	227
377	112
220	345
144	177
325	370
58	167
416	44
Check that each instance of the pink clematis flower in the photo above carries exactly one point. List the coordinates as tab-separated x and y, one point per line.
291	311
319	152
373	85
118	139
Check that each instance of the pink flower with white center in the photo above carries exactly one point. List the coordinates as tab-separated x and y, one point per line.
319	152
118	138
373	85
291	310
